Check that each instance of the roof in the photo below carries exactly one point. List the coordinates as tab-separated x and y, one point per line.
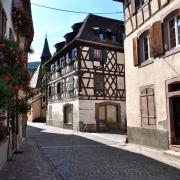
35	80
60	45
87	34
46	52
77	26
119	1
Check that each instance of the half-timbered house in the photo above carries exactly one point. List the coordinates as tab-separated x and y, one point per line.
86	77
37	101
153	72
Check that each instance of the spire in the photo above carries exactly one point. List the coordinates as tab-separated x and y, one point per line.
46	54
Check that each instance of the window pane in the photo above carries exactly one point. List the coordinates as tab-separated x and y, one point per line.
102	113
111	114
98	54
172	34
146	47
178	28
99	82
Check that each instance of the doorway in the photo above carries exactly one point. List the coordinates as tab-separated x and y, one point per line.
68	116
176	119
108	115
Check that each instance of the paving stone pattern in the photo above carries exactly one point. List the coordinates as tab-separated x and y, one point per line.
67	156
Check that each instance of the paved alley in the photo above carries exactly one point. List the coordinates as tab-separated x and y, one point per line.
51	154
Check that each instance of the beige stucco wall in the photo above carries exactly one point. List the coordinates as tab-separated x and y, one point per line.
36	110
57	112
156	73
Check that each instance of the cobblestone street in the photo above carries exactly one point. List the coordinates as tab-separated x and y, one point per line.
52	153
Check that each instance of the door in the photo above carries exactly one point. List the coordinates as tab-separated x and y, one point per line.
176	118
108	117
68	114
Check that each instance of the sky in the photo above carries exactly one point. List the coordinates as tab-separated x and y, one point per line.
56	24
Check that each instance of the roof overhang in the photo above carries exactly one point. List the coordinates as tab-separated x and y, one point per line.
122	1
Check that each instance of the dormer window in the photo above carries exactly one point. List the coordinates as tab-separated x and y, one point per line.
113	37
101	36
74	54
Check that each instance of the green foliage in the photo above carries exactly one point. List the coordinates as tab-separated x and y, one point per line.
13	72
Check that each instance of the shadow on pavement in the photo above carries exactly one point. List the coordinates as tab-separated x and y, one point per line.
71	157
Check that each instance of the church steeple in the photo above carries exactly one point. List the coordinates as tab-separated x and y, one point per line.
46	54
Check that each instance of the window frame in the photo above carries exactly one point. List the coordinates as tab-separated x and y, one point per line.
177	42
98	55
142	47
96	83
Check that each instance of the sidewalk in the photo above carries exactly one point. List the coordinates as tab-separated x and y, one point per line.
117	140
28	165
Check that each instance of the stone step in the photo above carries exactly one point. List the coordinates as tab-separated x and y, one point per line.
172	153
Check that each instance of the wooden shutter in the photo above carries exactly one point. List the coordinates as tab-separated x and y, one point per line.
135	52
105	56
133	7
0	19
156	41
91	54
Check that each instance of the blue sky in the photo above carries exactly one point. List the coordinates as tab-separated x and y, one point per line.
56	24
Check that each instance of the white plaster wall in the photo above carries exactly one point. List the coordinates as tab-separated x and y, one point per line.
156	73
57	111
120	58
7	5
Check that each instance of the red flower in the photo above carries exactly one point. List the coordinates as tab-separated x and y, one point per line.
6	77
2	45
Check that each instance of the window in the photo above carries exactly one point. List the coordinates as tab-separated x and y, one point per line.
174	32
147	103
140	3
99	82
113	37
101	36
50	91
97	54
70	84
144	47
74	54
60	88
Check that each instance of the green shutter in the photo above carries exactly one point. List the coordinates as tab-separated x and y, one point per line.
91	54
105	56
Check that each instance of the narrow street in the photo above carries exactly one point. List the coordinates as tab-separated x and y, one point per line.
50	154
